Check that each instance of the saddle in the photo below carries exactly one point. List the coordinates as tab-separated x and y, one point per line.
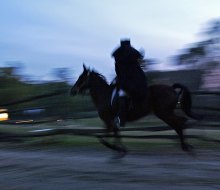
115	96
117	92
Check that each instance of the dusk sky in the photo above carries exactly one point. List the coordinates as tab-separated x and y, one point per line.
46	34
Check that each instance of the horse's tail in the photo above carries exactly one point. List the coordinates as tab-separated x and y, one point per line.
185	100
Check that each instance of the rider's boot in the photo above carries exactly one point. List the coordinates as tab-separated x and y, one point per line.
120	120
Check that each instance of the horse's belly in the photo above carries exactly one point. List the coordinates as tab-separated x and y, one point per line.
135	114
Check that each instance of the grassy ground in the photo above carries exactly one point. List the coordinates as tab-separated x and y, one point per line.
79	141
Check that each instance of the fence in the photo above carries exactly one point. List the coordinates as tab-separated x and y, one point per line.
214	125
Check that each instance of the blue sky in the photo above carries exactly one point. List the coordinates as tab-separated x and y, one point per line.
46	34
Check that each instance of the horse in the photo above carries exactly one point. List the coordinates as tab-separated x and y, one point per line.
161	101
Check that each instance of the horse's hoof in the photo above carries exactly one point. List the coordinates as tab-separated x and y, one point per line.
119	155
189	149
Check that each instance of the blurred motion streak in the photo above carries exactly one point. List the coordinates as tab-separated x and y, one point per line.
3	115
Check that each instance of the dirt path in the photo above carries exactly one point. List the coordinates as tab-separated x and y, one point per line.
93	169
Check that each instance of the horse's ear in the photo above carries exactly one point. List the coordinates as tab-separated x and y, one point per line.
84	67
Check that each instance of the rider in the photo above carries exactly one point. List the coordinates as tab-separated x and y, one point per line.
131	79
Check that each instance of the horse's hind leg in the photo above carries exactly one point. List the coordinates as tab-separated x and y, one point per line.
118	143
177	123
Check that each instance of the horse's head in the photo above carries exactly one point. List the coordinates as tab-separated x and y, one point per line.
82	83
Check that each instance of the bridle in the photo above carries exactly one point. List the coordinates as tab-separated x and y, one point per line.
85	81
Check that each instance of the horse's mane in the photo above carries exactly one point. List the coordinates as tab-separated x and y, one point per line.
100	77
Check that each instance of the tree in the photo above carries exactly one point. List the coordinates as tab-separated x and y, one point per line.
62	74
192	55
212	39
205	51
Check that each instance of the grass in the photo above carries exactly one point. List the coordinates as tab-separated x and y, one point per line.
79	141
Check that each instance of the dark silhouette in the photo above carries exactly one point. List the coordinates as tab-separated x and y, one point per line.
131	80
162	102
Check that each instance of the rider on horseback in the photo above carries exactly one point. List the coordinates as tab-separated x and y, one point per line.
131	79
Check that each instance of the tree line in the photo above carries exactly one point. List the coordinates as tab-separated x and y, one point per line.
62	105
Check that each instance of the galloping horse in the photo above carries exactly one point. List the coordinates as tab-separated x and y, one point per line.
161	101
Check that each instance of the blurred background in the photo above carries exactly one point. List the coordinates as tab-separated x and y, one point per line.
196	65
43	45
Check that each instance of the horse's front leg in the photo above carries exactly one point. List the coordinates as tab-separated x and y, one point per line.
116	145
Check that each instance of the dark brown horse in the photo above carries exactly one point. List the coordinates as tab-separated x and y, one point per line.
161	101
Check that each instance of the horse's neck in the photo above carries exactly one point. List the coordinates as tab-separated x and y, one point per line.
100	92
